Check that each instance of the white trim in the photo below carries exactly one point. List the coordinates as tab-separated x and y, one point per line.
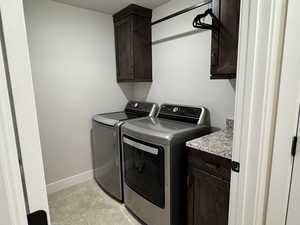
11	190
282	162
69	182
24	103
260	52
278	10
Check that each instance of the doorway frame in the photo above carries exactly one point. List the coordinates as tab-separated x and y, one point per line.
261	41
24	120
10	176
283	162
262	27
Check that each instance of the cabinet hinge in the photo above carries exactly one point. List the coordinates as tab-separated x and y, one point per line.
235	166
294	145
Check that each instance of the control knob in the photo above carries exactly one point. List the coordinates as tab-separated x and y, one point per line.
175	109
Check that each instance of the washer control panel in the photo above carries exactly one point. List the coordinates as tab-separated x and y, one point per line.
144	108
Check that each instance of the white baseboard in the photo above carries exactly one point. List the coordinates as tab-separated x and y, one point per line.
69	181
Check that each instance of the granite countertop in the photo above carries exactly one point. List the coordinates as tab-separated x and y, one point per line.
217	143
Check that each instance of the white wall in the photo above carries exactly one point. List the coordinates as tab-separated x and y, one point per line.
73	62
181	66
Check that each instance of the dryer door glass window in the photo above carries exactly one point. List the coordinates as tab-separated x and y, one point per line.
144	170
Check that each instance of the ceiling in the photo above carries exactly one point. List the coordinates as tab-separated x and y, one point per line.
112	6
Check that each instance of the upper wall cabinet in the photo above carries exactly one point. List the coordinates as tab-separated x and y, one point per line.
225	34
133	44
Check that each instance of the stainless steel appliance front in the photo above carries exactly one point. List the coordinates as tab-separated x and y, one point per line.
106	145
154	165
138	203
107	163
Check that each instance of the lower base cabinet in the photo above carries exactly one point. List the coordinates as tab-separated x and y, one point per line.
208	186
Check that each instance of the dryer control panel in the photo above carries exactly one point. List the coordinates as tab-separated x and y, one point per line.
182	113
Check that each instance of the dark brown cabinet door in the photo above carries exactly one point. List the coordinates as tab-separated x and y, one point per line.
190	199
142	48
208	187
133	44
225	35
124	49
209	199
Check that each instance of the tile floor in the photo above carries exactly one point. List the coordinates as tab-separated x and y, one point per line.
87	204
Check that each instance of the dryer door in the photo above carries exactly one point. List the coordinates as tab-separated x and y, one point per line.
145	169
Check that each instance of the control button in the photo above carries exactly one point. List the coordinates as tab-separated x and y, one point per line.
136	105
175	109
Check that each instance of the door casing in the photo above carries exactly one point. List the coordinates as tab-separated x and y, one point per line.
21	89
12	203
286	124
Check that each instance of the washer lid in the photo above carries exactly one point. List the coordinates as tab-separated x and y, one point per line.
113	118
160	127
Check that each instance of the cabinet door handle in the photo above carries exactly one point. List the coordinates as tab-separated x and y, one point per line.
189	181
212	165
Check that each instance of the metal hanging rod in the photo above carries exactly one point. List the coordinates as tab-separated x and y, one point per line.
182	12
